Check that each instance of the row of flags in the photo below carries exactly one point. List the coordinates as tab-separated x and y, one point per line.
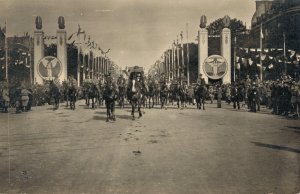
84	43
268	57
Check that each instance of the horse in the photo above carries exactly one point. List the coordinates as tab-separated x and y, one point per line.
54	94
164	93
72	96
92	94
65	92
200	94
151	94
110	95
121	96
134	94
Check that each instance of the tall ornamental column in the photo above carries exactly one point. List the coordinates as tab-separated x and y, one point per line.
62	48
226	48
202	46
38	49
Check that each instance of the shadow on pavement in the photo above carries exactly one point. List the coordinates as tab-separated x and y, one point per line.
101	113
283	148
99	118
126	117
292	129
296	128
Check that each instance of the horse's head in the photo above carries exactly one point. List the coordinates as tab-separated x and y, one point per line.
133	86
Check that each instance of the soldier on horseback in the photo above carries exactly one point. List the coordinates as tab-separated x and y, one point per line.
135	91
110	95
122	90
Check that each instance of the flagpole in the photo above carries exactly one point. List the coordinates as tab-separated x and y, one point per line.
188	56
260	60
178	58
234	62
182	55
284	54
6	54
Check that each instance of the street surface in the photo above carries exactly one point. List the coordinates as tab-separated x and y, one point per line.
166	151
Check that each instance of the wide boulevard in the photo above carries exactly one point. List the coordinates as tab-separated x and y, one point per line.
219	150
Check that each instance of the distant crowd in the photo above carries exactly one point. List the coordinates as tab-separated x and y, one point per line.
282	96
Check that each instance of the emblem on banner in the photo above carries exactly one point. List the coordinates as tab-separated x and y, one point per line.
49	68
215	67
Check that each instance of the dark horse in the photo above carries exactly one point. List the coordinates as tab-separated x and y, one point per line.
54	95
65	92
200	95
134	94
110	96
92	94
72	96
151	93
164	93
122	95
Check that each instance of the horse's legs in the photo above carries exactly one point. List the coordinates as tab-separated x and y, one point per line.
132	109
93	102
139	109
203	102
200	103
107	112
113	111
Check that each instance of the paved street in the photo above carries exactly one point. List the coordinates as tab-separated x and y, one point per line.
165	151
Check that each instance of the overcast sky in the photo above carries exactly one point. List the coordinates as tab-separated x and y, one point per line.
137	31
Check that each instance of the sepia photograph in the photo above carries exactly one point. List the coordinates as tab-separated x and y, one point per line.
149	96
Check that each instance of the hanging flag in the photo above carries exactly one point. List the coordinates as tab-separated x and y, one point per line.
292	53
250	61
237	59
263	56
238	66
271	66
298	57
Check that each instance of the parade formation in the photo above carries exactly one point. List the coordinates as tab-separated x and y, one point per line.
221	111
281	96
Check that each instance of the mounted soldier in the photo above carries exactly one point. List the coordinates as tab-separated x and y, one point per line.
122	90
110	95
135	91
201	80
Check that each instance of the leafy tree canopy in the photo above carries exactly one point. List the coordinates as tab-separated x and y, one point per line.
236	26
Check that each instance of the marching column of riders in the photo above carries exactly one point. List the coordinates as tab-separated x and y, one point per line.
281	95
